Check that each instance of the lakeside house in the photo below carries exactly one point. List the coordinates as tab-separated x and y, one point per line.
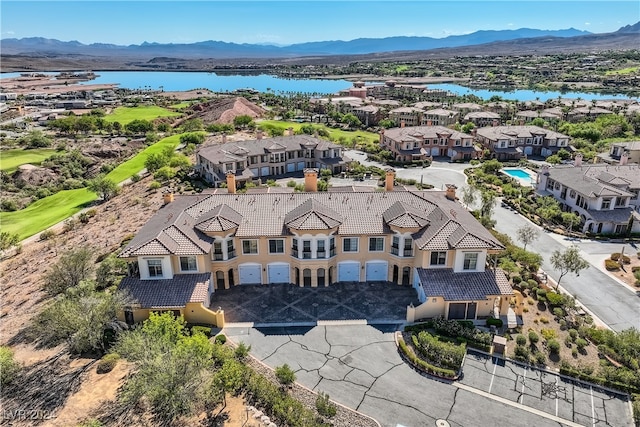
198	244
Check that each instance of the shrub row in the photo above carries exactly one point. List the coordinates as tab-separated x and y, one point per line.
611	265
444	354
568	370
423	365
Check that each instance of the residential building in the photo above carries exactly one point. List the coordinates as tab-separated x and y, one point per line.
622	153
439	117
482	118
605	197
422	142
465	108
587	113
198	244
267	158
369	115
512	142
406	116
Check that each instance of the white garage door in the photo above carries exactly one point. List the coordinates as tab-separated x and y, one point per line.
377	271
348	272
249	274
291	167
278	273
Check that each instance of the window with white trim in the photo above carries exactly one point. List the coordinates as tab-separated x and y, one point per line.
276	246
376	244
470	261
188	263
249	247
350	244
155	267
438	258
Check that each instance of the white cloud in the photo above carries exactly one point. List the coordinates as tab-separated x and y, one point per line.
587	23
510	24
9	33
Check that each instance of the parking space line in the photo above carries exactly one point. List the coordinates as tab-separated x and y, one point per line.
556	395
593	408
493	375
524	381
517	405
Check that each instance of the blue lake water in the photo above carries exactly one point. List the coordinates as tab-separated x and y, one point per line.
180	81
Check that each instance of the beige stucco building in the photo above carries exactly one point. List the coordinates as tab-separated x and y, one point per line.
198	244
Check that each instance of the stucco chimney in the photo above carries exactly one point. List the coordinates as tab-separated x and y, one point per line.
167	197
259	134
402	123
624	158
381	136
577	161
429	122
311	180
231	182
389	179
224	138
290	131
495	123
451	192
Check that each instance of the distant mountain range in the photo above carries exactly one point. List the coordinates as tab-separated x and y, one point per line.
218	49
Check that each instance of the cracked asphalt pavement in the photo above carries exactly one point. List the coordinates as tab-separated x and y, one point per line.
359	367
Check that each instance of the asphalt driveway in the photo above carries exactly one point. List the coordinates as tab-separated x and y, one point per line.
359	367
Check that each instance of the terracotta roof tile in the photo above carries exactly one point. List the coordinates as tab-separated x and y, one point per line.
472	286
176	293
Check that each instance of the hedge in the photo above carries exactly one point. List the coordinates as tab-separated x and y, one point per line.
574	373
423	365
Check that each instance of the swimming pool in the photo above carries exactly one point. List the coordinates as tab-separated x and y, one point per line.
524	176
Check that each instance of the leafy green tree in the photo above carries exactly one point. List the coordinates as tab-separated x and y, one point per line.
155	161
568	261
469	195
242	121
285	374
526	234
386	123
192	138
79	317
164	174
85	124
173	368
488	202
351	120
9	368
139	127
104	187
570	219
110	271
72	268
192	125
8	239
37	139
491	166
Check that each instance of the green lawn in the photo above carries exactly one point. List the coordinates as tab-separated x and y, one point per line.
136	164
48	211
181	105
335	134
628	70
45	212
11	159
126	115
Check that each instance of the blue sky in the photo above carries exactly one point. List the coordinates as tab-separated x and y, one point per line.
287	22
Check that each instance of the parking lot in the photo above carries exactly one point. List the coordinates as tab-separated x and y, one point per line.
545	391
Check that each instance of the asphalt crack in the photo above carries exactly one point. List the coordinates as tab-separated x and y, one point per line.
277	348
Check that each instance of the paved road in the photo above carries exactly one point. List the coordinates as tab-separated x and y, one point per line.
617	305
359	367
